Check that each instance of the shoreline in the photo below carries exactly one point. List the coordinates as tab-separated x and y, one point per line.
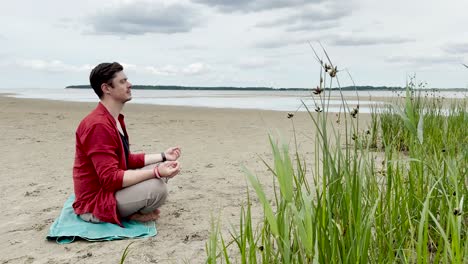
368	102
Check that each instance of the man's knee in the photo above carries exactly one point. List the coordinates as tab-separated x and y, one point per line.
157	189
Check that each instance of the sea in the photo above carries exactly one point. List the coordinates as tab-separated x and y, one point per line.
281	100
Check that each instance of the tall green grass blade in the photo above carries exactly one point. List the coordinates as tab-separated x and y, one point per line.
266	205
125	253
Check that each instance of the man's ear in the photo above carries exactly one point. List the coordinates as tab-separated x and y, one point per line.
105	88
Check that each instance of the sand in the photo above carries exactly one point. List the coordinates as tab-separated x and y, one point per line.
37	149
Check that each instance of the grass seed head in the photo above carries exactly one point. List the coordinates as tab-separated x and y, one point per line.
333	72
354	112
317	90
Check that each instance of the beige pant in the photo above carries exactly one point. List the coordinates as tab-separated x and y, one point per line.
143	197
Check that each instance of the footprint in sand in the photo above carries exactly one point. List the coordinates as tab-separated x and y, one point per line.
32	193
210	165
23	259
197	236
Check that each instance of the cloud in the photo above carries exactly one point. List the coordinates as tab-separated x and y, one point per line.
167	70
142	17
170	70
190	47
129	67
254	63
312	17
55	66
280	42
70	24
252	5
313	26
355	40
457	48
424	60
196	69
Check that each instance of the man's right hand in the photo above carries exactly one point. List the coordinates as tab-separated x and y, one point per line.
169	169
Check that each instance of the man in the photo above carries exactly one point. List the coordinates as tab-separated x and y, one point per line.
108	186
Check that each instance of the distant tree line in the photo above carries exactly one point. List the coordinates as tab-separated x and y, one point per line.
230	88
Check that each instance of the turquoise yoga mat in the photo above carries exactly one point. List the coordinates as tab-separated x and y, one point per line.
68	227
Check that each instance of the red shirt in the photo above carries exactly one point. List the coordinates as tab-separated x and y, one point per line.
100	165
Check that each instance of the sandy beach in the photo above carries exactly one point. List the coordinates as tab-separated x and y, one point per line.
37	146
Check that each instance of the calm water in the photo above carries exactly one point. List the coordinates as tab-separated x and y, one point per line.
265	100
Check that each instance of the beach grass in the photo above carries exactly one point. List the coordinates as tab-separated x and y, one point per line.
125	253
395	193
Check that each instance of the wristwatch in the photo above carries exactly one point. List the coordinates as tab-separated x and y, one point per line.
163	155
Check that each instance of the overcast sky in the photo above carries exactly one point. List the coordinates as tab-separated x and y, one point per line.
55	43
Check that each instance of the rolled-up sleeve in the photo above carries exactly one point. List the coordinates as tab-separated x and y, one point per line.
101	147
136	160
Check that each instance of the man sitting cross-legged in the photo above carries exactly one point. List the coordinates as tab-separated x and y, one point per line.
110	181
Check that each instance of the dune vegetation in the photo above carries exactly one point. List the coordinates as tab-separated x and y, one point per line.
391	192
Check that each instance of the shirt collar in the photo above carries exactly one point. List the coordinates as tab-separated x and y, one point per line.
101	108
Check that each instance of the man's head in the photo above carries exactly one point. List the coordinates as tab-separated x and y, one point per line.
108	78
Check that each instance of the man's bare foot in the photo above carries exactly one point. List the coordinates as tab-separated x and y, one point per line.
146	217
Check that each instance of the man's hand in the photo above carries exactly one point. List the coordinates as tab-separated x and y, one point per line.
172	153
169	169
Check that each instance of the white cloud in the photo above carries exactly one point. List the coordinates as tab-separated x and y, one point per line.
53	66
281	42
254	62
351	39
424	60
167	70
170	70
253	5
457	48
196	69
129	67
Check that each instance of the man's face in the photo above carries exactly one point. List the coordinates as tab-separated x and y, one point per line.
122	88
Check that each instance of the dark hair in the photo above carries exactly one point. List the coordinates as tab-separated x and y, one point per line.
103	73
